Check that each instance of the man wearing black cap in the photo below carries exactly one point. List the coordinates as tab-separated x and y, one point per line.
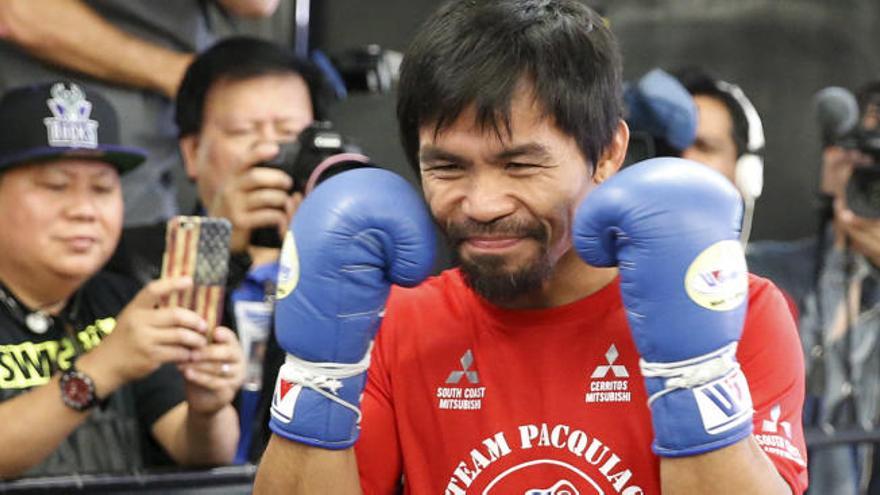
94	354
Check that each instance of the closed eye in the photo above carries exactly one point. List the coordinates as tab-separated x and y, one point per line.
523	168
444	170
53	185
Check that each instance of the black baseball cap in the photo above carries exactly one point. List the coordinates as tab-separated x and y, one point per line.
61	119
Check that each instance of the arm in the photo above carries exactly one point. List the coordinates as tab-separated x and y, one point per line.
41	422
139	343
95	47
316	470
740	468
197	439
327	332
204	430
250	8
705	382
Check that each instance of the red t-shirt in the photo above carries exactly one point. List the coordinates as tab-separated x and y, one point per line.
464	397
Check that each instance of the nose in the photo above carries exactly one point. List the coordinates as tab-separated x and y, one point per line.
488	198
82	205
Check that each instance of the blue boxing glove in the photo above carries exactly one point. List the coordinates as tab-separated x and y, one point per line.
671	226
351	238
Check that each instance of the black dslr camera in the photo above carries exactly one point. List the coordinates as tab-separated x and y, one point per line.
863	188
320	152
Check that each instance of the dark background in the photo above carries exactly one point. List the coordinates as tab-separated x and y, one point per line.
779	52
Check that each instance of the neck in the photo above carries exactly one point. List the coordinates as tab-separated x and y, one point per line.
44	293
571	280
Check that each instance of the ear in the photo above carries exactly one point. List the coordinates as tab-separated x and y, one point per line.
189	147
613	155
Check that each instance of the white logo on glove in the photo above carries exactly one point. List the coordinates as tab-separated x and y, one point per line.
288	267
717	279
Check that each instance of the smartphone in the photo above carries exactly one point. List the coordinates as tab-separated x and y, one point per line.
198	247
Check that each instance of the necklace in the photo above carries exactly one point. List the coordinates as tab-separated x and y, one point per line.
37	321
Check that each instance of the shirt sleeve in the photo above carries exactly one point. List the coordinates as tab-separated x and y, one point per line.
772	360
378	449
157	393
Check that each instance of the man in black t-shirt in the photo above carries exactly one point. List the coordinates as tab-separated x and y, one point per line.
95	356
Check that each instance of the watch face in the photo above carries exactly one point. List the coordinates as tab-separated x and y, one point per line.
76	390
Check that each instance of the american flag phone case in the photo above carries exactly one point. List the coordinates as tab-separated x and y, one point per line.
198	247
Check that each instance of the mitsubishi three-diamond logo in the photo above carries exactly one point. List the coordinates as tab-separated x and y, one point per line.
462	390
618	370
776	437
609	381
466	361
773	424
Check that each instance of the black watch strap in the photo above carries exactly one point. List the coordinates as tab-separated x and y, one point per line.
78	389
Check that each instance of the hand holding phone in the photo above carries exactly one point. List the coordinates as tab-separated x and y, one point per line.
198	247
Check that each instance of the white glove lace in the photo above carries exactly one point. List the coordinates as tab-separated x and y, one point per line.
325	378
692	372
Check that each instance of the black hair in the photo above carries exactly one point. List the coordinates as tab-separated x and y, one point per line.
477	53
868	94
239	58
700	82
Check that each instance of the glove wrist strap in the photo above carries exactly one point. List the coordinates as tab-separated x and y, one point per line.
324	378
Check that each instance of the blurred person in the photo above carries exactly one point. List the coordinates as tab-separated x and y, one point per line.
728	129
238	101
135	53
88	382
834	280
661	115
696	116
529	368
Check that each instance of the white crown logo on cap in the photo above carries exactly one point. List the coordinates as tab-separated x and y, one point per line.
71	126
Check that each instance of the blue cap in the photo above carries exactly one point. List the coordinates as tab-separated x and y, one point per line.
658	105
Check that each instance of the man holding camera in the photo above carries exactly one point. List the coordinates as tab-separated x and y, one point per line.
238	102
834	279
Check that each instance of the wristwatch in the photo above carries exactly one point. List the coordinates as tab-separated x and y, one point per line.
77	389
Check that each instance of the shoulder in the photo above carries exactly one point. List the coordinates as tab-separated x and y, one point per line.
769	329
139	253
109	291
446	291
442	301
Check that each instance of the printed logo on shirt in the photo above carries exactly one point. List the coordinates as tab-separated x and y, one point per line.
580	463
775	437
464	394
609	382
561	487
31	364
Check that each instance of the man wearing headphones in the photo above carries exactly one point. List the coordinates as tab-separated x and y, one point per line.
729	135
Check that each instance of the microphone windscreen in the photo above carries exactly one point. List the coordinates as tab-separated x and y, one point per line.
837	112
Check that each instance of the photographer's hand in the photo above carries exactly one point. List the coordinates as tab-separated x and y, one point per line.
862	233
837	166
254	197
